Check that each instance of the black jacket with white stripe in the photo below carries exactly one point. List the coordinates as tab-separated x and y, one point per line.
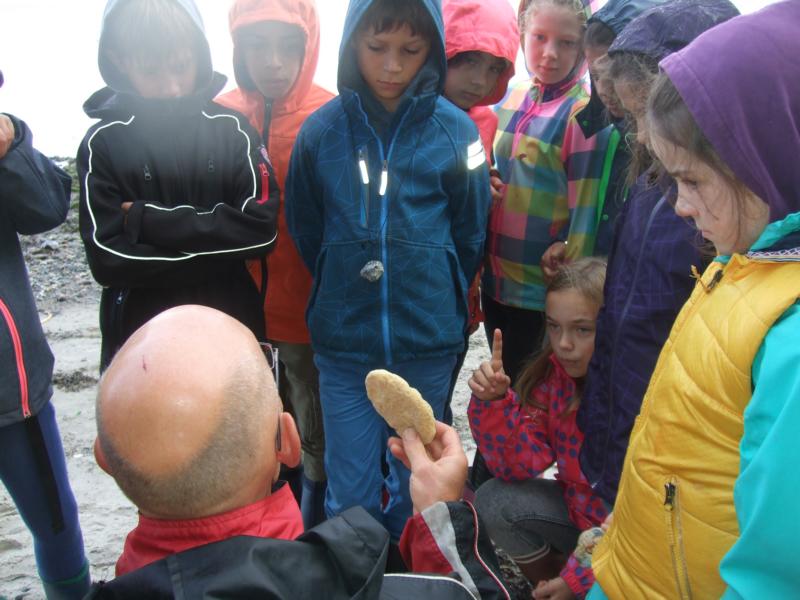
204	197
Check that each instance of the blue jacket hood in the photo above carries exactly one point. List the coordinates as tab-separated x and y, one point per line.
117	80
616	14
431	77
667	28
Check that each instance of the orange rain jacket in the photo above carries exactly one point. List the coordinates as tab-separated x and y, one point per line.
483	26
289	282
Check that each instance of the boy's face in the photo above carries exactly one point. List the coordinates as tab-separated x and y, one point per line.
174	78
389	61
472	77
273	54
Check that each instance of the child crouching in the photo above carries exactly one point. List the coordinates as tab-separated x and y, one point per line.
522	432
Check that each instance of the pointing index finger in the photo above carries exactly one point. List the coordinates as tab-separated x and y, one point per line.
497	350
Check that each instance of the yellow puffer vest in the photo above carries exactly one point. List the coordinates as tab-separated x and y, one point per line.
674	518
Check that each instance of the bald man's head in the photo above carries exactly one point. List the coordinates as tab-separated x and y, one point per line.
187	415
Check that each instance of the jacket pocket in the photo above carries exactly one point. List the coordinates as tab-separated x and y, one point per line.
428	300
343	306
19	358
672	515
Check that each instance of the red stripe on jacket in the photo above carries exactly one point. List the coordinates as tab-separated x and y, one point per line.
20	359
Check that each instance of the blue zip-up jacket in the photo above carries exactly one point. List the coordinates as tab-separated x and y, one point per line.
409	190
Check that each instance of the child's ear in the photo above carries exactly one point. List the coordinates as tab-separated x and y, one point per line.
289	452
100	457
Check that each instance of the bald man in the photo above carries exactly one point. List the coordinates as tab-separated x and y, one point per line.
191	427
187	424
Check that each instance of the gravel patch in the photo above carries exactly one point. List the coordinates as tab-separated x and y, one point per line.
57	266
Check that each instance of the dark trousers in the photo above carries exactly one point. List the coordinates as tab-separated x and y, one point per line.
34	471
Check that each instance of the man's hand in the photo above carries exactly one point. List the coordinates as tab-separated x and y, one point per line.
552	259
489	381
438	471
555	589
6	135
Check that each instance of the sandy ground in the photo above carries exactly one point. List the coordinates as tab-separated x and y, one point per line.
106	515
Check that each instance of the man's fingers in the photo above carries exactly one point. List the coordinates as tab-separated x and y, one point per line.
435	449
396	448
414	449
451	443
497	350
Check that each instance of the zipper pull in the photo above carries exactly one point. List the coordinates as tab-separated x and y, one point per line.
362	165
210	165
669	497
715	279
384	178
147	175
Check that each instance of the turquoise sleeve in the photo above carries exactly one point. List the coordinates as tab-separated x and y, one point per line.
763	561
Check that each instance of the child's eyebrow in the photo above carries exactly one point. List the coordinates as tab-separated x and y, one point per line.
680	172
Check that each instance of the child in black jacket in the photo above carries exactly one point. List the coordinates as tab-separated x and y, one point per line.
175	190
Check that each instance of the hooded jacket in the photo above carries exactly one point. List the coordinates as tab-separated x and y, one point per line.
551	173
203	192
278	122
615	15
34	197
649	271
594	120
388	211
488	26
728	416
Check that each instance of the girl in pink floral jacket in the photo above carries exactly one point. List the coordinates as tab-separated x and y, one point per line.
523	432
